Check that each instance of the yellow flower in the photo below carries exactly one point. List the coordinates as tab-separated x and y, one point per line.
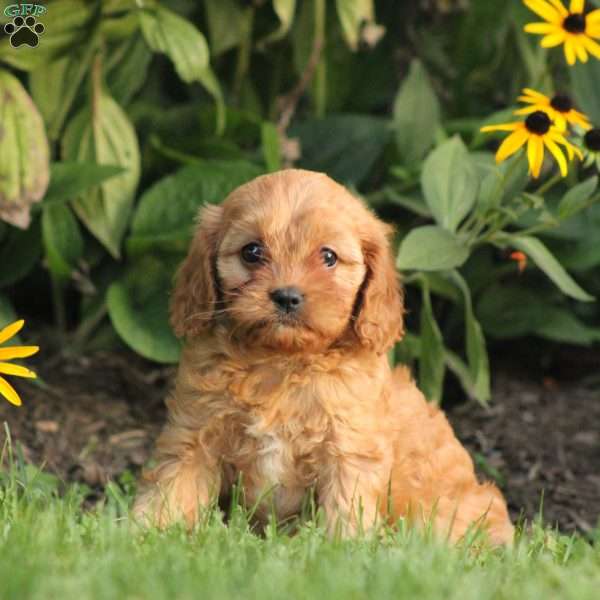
559	108
573	28
538	133
6	368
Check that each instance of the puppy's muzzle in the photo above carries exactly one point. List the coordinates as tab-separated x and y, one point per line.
288	300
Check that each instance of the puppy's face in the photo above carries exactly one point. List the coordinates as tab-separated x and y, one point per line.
286	263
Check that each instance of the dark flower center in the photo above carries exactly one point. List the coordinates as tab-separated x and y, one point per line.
562	103
592	140
538	122
575	23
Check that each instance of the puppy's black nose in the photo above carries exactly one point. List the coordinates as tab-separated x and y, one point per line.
287	299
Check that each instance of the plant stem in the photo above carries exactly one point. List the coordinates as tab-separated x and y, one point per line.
548	185
244	53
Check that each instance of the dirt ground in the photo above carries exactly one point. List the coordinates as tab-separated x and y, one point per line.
96	417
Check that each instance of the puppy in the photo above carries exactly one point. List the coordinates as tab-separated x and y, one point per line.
288	302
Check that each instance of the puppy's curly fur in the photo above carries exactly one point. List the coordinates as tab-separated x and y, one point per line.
293	400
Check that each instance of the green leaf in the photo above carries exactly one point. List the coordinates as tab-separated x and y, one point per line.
414	204
138	308
432	361
585	81
416	115
271	147
24	153
54	87
577	198
285	10
477	355
450	183
225	24
501	183
68	24
167	32
431	248
542	257
69	179
166	213
126	68
352	15
103	134
344	146
19	253
62	239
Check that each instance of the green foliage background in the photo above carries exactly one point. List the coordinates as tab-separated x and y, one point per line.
131	114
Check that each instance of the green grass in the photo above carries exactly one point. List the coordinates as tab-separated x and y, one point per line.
50	547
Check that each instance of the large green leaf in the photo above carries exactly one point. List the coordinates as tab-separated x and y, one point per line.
167	212
138	308
54	87
103	134
543	258
167	32
577	198
343	146
62	239
70	179
67	23
432	360
431	248
450	183
416	115
24	153
19	253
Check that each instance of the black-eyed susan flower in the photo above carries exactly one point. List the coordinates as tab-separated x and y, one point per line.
590	144
559	108
538	132
573	28
9	353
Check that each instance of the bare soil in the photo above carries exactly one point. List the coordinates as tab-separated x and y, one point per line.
94	418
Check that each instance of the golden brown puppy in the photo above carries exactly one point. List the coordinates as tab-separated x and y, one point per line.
288	301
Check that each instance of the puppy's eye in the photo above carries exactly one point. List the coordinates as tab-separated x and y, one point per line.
253	253
329	257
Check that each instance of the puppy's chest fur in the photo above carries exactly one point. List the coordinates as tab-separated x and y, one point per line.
283	421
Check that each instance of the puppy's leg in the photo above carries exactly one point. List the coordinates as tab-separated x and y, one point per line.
186	478
349	493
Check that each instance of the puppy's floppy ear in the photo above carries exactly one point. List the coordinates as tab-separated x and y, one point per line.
379	307
195	295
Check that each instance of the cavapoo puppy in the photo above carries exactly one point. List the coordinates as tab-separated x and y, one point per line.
288	302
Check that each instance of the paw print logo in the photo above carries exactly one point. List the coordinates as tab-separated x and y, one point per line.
24	32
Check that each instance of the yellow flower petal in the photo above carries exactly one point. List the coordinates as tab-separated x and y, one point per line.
11	330
554	39
544	10
540	28
570	52
511	144
582	55
559	7
17	352
16	370
593	30
593	17
535	155
538	95
527	110
592	47
576	6
558	155
9	392
501	127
